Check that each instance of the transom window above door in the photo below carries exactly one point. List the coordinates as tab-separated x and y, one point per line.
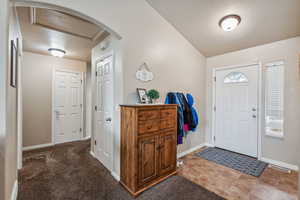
236	77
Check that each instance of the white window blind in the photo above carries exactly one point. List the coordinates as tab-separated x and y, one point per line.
274	99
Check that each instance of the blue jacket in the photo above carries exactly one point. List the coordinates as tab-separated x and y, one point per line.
172	98
195	119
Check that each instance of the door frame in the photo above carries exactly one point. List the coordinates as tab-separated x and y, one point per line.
259	101
94	100
54	70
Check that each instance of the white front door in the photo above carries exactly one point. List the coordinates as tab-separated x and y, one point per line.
236	110
103	130
67	110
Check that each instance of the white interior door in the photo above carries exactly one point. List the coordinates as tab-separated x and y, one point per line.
236	110
67	109
104	112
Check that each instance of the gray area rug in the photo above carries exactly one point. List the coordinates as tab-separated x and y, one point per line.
242	163
69	172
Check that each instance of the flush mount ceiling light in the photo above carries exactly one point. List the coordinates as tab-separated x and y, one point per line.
57	52
229	22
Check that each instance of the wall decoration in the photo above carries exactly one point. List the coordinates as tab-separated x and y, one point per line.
142	94
13	64
144	74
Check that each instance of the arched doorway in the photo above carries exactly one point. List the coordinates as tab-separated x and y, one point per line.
85	17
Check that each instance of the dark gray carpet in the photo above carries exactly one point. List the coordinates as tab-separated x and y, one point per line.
242	163
69	172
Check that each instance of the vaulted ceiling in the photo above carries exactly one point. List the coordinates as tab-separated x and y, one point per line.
263	21
43	29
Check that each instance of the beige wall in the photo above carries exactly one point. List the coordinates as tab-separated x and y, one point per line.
3	68
37	95
9	149
285	149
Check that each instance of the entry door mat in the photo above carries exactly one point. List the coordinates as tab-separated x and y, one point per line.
242	163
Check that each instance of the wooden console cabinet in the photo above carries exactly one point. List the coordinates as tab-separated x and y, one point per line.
148	145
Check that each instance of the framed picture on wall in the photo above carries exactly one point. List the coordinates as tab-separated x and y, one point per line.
142	94
13	64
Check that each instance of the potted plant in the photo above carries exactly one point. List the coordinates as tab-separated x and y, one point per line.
153	95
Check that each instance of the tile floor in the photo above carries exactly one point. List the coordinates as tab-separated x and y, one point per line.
273	184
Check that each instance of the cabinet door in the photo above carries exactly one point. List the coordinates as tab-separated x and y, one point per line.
167	161
147	159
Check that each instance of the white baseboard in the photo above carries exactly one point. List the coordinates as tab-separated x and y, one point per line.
86	138
14	193
93	154
37	146
280	164
115	175
209	145
190	150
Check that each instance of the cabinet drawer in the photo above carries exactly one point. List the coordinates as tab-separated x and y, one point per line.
148	126
148	114
168	113
168	123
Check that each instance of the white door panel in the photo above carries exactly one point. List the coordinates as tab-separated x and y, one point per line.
67	106
236	109
104	111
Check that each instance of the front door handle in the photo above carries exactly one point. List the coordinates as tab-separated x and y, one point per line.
108	119
253	116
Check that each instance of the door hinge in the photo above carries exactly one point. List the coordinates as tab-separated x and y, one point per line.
81	81
80	129
214	138
96	73
215	108
215	79
95	142
95	108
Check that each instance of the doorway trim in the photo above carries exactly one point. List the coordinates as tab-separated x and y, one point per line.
55	69
107	54
260	103
37	4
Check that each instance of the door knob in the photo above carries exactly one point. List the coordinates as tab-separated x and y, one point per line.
253	109
57	113
254	116
108	119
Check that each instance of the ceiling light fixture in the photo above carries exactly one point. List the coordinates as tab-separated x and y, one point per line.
57	52
229	22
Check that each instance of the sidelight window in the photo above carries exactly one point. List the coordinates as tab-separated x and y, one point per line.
274	99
